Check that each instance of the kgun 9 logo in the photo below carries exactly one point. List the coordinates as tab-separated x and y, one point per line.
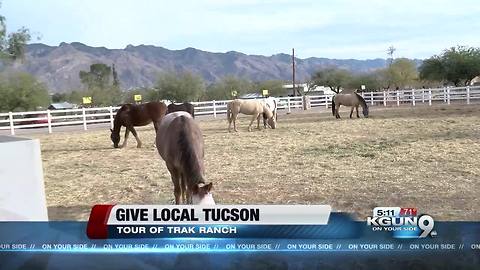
405	223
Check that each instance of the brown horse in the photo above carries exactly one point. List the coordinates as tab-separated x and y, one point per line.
186	107
256	108
352	99
130	115
180	143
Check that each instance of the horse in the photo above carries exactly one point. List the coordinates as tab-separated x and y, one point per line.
179	142
271	103
352	99
250	107
186	107
130	115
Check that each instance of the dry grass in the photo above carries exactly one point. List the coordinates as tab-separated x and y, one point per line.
423	157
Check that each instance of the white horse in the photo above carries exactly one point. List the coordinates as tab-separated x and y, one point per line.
272	104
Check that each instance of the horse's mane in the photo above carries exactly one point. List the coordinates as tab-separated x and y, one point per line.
362	100
117	120
188	156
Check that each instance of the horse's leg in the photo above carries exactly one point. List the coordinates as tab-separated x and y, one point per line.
258	121
337	107
124	144
134	132
358	116
255	116
235	115
351	111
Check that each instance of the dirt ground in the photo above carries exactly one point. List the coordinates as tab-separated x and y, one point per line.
424	157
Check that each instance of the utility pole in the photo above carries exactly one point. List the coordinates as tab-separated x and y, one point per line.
293	70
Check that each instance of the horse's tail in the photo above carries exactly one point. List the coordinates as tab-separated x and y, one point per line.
189	158
333	105
275	110
229	111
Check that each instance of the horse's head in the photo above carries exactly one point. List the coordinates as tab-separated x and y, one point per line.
270	116
201	194
365	111
115	137
272	122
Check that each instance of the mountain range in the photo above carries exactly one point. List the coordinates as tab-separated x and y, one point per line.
138	66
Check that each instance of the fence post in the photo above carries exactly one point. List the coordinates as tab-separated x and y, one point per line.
288	105
448	95
49	121
12	128
326	102
423	96
84	119
384	98
413	97
371	98
398	98
444	94
111	116
214	109
468	94
429	97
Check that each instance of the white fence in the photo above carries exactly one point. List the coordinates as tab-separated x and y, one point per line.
85	116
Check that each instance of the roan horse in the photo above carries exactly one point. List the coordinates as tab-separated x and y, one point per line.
186	107
130	115
255	108
180	143
352	99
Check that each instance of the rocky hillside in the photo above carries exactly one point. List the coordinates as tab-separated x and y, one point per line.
58	66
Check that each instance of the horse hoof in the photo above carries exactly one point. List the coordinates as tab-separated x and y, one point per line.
139	146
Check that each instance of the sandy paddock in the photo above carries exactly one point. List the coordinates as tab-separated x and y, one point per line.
424	157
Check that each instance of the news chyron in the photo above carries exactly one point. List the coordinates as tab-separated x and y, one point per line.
225	221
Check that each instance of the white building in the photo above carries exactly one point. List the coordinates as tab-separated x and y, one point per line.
319	90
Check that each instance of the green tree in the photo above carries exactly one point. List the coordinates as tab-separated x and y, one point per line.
334	78
274	87
180	87
75	96
97	77
116	82
12	46
372	82
22	92
402	73
222	90
59	97
455	65
148	94
98	85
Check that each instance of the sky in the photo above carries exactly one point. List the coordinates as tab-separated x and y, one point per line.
341	29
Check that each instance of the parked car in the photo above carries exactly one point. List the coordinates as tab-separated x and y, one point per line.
36	121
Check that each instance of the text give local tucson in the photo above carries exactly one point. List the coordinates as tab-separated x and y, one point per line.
171	220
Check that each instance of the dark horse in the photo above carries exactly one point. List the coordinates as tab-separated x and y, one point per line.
180	143
353	100
186	107
131	115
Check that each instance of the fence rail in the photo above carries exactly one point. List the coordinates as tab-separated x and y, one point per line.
85	116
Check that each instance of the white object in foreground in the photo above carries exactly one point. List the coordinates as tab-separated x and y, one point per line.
22	191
